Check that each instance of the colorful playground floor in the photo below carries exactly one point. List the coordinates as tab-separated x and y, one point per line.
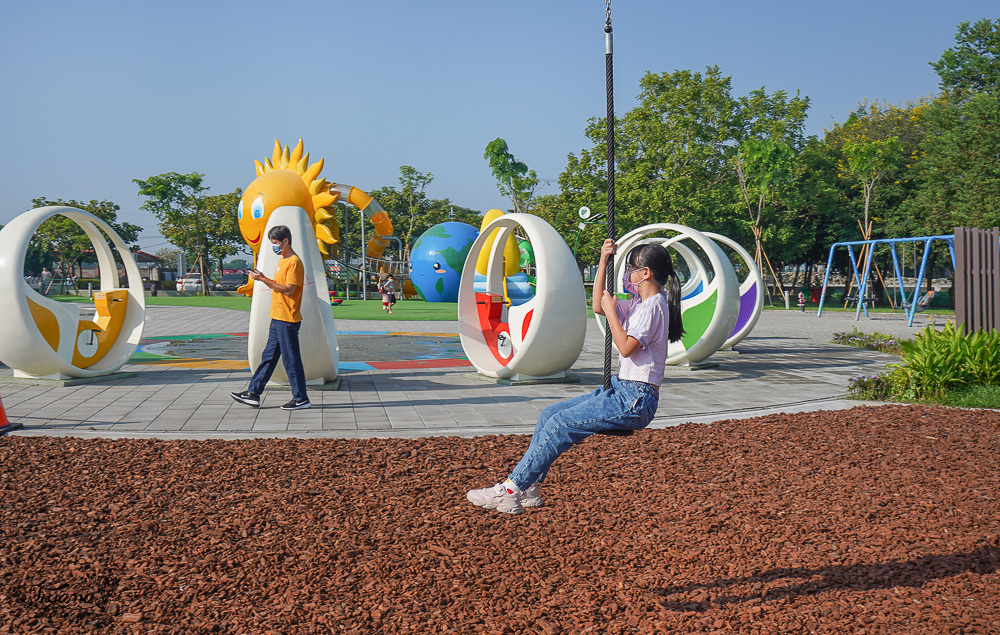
413	381
359	351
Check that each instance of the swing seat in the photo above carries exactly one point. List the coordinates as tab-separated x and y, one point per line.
853	299
615	432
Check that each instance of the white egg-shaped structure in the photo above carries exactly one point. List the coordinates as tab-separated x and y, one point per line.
43	338
751	293
317	334
709	304
539	339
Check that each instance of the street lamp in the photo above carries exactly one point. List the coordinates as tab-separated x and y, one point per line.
586	217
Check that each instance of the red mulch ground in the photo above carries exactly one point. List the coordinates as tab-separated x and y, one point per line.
873	520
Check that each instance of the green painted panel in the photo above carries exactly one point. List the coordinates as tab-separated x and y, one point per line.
697	318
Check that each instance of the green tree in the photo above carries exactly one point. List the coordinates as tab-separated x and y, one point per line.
959	171
224	237
413	185
877	148
762	166
67	241
514	179
204	226
681	158
972	67
168	257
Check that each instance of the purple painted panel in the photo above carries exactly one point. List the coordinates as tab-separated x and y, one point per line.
747	302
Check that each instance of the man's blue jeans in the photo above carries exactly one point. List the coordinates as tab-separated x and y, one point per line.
628	405
282	342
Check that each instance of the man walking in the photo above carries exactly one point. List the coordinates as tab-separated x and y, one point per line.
286	318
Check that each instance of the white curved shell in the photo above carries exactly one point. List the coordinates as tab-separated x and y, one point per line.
22	345
541	338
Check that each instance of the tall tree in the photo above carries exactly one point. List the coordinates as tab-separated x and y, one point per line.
67	240
972	67
412	187
876	149
959	170
205	226
762	166
514	179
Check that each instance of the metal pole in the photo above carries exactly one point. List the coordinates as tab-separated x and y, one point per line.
364	279
609	83
826	279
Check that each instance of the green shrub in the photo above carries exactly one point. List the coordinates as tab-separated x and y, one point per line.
973	397
872	342
936	361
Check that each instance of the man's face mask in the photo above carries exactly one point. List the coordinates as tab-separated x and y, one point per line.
277	248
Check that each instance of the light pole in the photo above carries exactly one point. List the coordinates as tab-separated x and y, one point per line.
586	218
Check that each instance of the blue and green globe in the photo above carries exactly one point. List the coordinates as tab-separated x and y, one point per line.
437	258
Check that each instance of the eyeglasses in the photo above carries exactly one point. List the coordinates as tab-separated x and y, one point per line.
631	268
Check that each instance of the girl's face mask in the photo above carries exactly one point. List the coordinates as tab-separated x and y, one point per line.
627	283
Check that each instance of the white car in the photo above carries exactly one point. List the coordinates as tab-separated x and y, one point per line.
192	282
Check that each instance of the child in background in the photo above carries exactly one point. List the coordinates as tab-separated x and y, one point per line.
388	291
641	329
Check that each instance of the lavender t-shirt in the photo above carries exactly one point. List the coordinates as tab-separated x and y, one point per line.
647	322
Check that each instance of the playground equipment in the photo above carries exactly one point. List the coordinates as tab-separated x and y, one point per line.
538	339
710	305
518	286
437	257
911	302
289	191
751	293
317	335
43	338
287	178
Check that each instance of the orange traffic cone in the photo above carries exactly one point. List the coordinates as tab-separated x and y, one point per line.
5	425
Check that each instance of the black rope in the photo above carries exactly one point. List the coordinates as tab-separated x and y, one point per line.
610	277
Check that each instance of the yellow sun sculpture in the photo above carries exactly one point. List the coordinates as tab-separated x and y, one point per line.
287	179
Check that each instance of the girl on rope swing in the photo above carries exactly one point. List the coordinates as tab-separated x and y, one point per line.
641	329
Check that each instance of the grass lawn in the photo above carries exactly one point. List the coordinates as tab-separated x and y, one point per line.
814	308
349	310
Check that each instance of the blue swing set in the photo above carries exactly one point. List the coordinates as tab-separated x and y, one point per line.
911	302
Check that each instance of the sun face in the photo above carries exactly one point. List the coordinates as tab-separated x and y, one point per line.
287	179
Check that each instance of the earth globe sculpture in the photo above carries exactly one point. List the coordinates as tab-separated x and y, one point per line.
437	258
45	339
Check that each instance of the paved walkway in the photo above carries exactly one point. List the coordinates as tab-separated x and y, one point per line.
787	365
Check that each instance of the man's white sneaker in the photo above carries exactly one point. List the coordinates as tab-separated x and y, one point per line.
532	497
497	497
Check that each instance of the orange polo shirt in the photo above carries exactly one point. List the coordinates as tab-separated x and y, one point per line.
287	308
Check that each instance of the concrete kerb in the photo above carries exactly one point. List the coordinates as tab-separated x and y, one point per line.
788	353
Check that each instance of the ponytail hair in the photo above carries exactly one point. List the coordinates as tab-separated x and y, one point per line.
657	258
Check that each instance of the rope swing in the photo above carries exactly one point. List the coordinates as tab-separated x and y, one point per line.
609	80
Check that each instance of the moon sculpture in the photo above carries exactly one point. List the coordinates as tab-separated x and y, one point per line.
43	338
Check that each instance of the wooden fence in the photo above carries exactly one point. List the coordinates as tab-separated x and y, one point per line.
977	278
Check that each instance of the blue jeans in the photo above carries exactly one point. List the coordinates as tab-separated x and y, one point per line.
628	405
283	342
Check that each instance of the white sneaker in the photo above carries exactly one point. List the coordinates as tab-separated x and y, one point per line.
497	497
532	497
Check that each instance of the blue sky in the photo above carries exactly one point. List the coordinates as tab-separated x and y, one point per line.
93	95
